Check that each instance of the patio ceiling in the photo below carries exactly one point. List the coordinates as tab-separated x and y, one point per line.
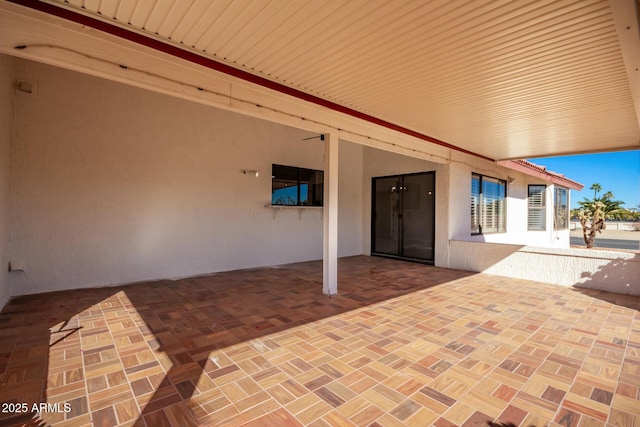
504	80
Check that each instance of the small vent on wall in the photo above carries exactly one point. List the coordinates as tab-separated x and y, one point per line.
24	87
16	266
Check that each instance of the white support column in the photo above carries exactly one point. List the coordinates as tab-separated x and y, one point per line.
330	216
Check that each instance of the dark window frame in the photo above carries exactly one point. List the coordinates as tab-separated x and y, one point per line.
400	191
283	176
479	207
557	214
542	207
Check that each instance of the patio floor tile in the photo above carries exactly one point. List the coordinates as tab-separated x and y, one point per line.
400	344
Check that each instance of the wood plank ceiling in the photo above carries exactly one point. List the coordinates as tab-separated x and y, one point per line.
505	79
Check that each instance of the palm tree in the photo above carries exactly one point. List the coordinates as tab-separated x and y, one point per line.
595	187
611	208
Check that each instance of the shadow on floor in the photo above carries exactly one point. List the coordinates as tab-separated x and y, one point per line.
189	319
30	328
621	275
174	323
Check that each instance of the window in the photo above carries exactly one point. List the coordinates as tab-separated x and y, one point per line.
487	204
537	208
292	186
561	209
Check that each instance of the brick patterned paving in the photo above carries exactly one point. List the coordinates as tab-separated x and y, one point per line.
401	345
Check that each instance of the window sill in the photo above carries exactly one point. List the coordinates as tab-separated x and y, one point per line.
300	209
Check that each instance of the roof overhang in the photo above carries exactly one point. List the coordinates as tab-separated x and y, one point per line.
541	172
495	80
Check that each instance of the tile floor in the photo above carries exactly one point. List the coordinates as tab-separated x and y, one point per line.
402	344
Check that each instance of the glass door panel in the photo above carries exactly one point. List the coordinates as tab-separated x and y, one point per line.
418	216
403	216
386	216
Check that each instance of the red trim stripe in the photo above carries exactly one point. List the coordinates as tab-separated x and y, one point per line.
226	69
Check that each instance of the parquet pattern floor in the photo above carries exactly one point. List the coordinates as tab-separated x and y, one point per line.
402	344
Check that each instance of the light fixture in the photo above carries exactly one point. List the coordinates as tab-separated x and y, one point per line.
250	172
510	179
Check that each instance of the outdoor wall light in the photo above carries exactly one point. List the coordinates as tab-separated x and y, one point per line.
251	172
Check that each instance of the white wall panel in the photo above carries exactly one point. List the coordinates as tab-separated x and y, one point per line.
610	271
516	206
383	163
114	184
6	94
350	196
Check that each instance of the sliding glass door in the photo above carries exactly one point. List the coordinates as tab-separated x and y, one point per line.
386	215
403	216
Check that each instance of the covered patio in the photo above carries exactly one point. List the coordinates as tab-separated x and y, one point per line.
401	344
138	146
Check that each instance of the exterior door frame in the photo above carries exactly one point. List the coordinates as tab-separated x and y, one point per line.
432	224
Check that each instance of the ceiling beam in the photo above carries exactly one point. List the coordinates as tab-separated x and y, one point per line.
626	16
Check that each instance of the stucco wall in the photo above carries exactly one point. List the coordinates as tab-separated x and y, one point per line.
113	184
453	195
609	271
383	163
350	196
6	90
516	206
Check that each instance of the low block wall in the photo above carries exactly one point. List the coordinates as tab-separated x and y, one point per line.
610	271
611	225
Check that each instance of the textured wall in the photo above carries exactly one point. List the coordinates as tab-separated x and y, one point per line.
383	163
114	184
6	90
610	271
516	206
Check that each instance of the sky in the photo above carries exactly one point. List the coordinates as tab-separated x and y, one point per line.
618	172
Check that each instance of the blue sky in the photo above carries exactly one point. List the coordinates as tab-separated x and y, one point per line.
618	172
